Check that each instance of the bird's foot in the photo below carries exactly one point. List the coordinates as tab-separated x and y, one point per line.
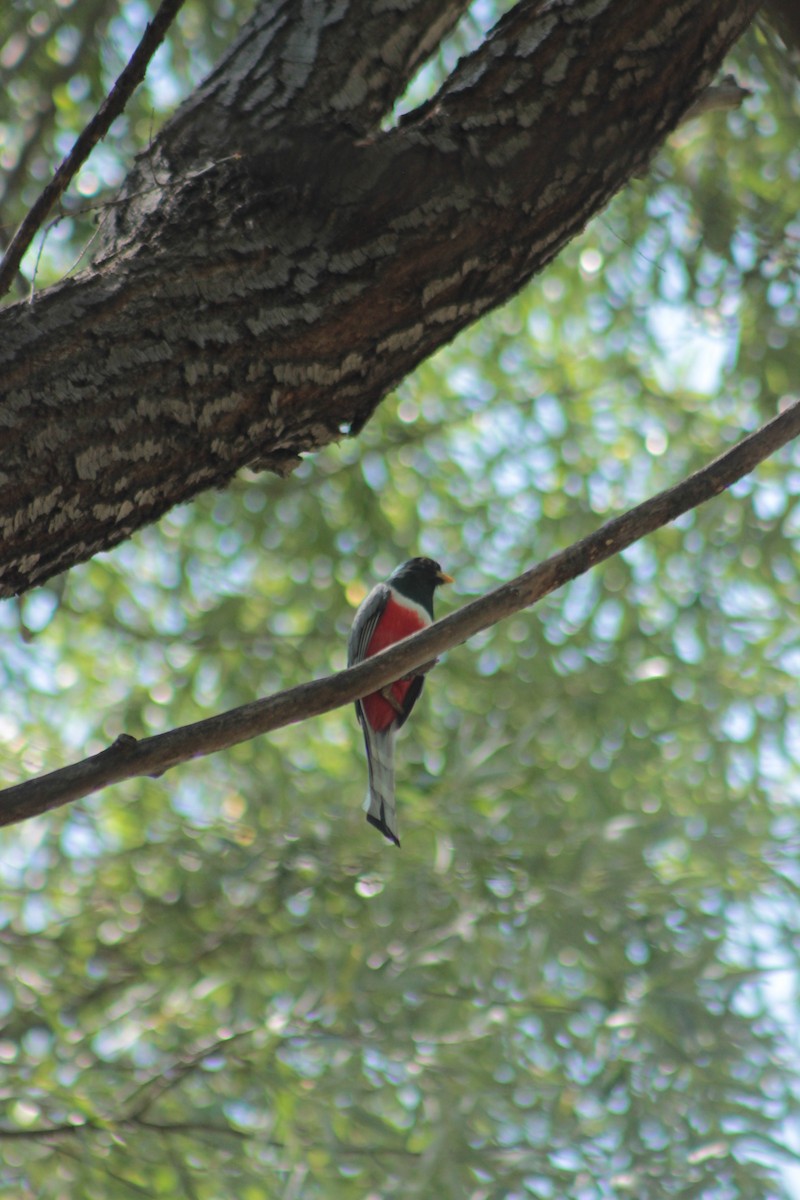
423	670
391	699
389	695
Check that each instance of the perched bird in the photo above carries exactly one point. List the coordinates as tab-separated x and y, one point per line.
393	610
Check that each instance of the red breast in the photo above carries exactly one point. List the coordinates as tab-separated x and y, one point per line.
397	621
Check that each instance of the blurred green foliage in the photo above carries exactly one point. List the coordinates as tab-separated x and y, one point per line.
578	978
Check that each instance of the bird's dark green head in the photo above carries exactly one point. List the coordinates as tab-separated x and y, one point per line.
418	579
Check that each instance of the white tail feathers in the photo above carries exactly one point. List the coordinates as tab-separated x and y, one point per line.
380	802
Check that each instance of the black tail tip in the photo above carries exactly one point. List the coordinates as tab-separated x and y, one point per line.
379	823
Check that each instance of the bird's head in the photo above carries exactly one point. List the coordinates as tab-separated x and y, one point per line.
417	579
423	570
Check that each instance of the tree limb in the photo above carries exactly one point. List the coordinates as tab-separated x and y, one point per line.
313	63
128	758
785	16
274	274
98	127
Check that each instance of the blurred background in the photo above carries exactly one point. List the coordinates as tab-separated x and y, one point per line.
579	976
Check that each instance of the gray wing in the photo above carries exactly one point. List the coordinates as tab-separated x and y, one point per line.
364	622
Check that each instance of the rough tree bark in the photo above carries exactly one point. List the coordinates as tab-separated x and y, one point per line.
280	263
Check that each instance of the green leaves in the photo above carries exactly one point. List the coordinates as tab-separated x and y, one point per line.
224	982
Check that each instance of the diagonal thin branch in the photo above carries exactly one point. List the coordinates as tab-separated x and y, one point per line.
114	103
128	758
785	15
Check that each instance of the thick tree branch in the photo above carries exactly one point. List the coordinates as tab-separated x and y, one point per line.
262	292
128	758
329	64
98	127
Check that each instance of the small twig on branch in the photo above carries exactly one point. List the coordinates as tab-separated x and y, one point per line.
98	127
720	97
46	1133
128	758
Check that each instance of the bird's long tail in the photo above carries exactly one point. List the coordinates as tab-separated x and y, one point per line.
380	802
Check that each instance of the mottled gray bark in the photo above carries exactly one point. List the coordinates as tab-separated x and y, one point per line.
281	263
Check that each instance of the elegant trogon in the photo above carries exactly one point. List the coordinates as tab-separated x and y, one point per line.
393	610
